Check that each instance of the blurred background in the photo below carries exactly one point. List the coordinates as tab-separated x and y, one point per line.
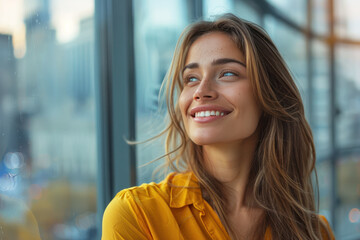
79	77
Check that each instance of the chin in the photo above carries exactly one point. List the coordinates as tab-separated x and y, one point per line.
205	139
202	142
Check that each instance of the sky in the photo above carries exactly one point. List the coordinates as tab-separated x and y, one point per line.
11	12
65	18
350	9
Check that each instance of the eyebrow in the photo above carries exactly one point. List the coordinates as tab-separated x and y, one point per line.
219	61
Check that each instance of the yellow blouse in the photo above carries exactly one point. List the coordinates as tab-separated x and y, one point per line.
172	209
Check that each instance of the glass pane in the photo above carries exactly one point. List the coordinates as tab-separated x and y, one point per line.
347	18
47	120
212	8
294	10
321	108
325	188
157	26
348	212
245	11
320	23
239	8
292	47
348	95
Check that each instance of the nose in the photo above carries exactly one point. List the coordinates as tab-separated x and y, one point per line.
205	90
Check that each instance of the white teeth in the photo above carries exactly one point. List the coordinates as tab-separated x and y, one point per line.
209	113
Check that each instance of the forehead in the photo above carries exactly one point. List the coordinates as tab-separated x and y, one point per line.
212	46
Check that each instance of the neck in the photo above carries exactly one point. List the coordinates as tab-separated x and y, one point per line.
230	164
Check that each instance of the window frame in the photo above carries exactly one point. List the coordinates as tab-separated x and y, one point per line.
115	100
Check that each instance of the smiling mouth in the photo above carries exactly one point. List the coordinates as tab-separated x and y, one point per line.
209	113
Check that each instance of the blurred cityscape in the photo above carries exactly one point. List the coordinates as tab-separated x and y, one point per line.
48	142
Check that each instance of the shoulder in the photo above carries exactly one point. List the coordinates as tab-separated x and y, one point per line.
127	214
147	191
326	231
120	219
130	200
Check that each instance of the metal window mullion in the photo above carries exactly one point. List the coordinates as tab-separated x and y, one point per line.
310	62
334	195
123	93
115	97
103	115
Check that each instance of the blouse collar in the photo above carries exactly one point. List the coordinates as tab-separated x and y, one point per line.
185	190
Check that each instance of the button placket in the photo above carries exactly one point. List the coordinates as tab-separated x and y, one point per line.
207	224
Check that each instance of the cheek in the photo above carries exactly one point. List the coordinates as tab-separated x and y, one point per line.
248	104
254	110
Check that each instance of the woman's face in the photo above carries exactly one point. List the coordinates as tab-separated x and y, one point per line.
217	102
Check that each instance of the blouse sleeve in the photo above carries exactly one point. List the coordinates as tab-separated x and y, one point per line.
122	219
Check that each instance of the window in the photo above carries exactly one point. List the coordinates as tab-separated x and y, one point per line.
291	44
347	139
348	95
347	18
348	182
212	8
156	32
320	16
293	10
48	131
321	104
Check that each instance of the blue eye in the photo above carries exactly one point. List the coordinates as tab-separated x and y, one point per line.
192	79
227	74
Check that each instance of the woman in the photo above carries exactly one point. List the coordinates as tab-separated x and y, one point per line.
237	125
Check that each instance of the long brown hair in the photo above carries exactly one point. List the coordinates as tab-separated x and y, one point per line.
280	176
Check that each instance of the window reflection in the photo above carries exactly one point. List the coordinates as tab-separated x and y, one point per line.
297	9
348	95
321	99
47	112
